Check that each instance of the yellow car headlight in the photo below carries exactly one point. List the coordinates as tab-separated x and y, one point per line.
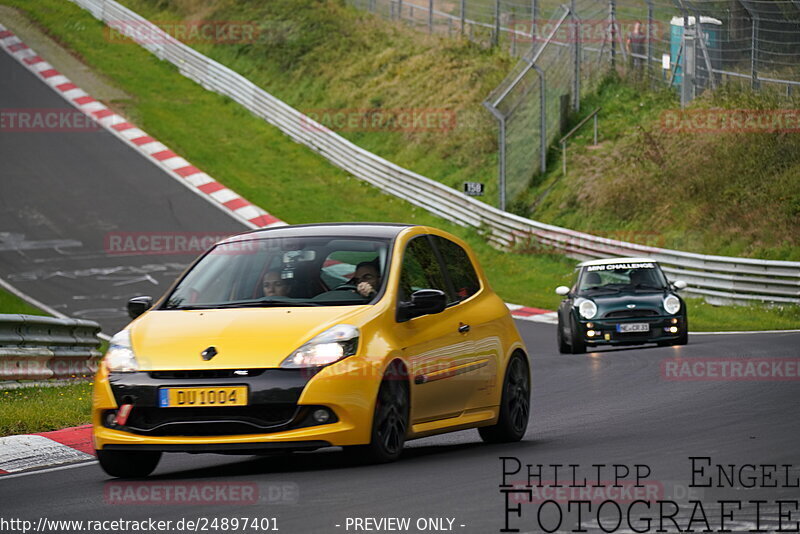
119	357
326	348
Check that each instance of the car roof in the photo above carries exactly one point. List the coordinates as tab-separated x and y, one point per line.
365	229
608	261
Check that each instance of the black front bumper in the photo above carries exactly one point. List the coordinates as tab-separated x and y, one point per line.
272	403
224	448
606	331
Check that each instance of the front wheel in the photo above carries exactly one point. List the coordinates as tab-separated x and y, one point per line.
390	421
514	405
576	343
563	346
128	464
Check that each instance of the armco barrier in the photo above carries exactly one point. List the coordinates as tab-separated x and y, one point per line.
718	278
38	348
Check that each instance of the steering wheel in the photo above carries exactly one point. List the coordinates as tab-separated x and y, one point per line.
345	287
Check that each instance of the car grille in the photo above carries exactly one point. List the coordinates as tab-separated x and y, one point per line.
209	421
630	314
207	373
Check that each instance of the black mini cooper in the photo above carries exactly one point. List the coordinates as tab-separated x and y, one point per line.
621	301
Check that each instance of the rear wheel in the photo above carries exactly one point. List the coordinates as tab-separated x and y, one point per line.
576	343
128	464
514	405
390	421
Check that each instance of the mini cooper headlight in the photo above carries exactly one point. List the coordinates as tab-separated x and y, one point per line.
326	348
587	308
672	304
119	357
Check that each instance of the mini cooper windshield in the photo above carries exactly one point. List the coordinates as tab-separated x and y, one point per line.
304	271
617	277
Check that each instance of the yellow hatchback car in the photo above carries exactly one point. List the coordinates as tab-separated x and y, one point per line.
299	337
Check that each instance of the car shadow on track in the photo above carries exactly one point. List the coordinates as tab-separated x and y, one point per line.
332	459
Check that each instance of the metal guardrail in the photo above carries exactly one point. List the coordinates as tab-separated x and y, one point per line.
718	278
36	347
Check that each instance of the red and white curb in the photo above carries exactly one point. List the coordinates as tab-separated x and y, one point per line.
158	153
46	449
535	315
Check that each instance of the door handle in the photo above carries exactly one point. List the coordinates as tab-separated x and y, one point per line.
463	328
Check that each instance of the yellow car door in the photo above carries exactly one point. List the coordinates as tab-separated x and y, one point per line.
435	346
480	316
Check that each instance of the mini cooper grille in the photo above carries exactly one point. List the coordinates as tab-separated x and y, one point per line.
208	373
210	421
627	314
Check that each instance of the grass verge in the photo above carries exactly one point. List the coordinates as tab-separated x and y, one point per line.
658	180
41	409
266	167
10	303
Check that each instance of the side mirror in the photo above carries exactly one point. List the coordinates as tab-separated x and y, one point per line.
423	302
562	290
139	305
679	284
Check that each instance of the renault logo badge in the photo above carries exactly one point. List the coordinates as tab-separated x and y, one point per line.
209	353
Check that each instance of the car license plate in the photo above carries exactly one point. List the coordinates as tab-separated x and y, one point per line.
194	397
633	327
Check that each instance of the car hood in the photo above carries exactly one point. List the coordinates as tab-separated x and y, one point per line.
244	338
630	301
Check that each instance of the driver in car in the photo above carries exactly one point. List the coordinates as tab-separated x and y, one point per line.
367	278
275	286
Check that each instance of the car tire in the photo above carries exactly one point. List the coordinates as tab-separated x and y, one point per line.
563	346
684	337
576	343
390	420
128	464
512	423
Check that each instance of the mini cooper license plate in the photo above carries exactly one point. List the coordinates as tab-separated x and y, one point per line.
633	327
194	397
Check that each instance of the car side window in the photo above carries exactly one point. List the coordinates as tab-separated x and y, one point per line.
420	269
459	267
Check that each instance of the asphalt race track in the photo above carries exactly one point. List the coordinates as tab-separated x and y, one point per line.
61	194
65	195
601	408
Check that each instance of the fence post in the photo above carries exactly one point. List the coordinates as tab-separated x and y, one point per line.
502	176
430	16
576	59
688	70
534	18
649	50
542	119
496	38
463	15
754	52
612	19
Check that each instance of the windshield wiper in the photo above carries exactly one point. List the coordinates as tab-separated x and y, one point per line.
647	286
602	288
